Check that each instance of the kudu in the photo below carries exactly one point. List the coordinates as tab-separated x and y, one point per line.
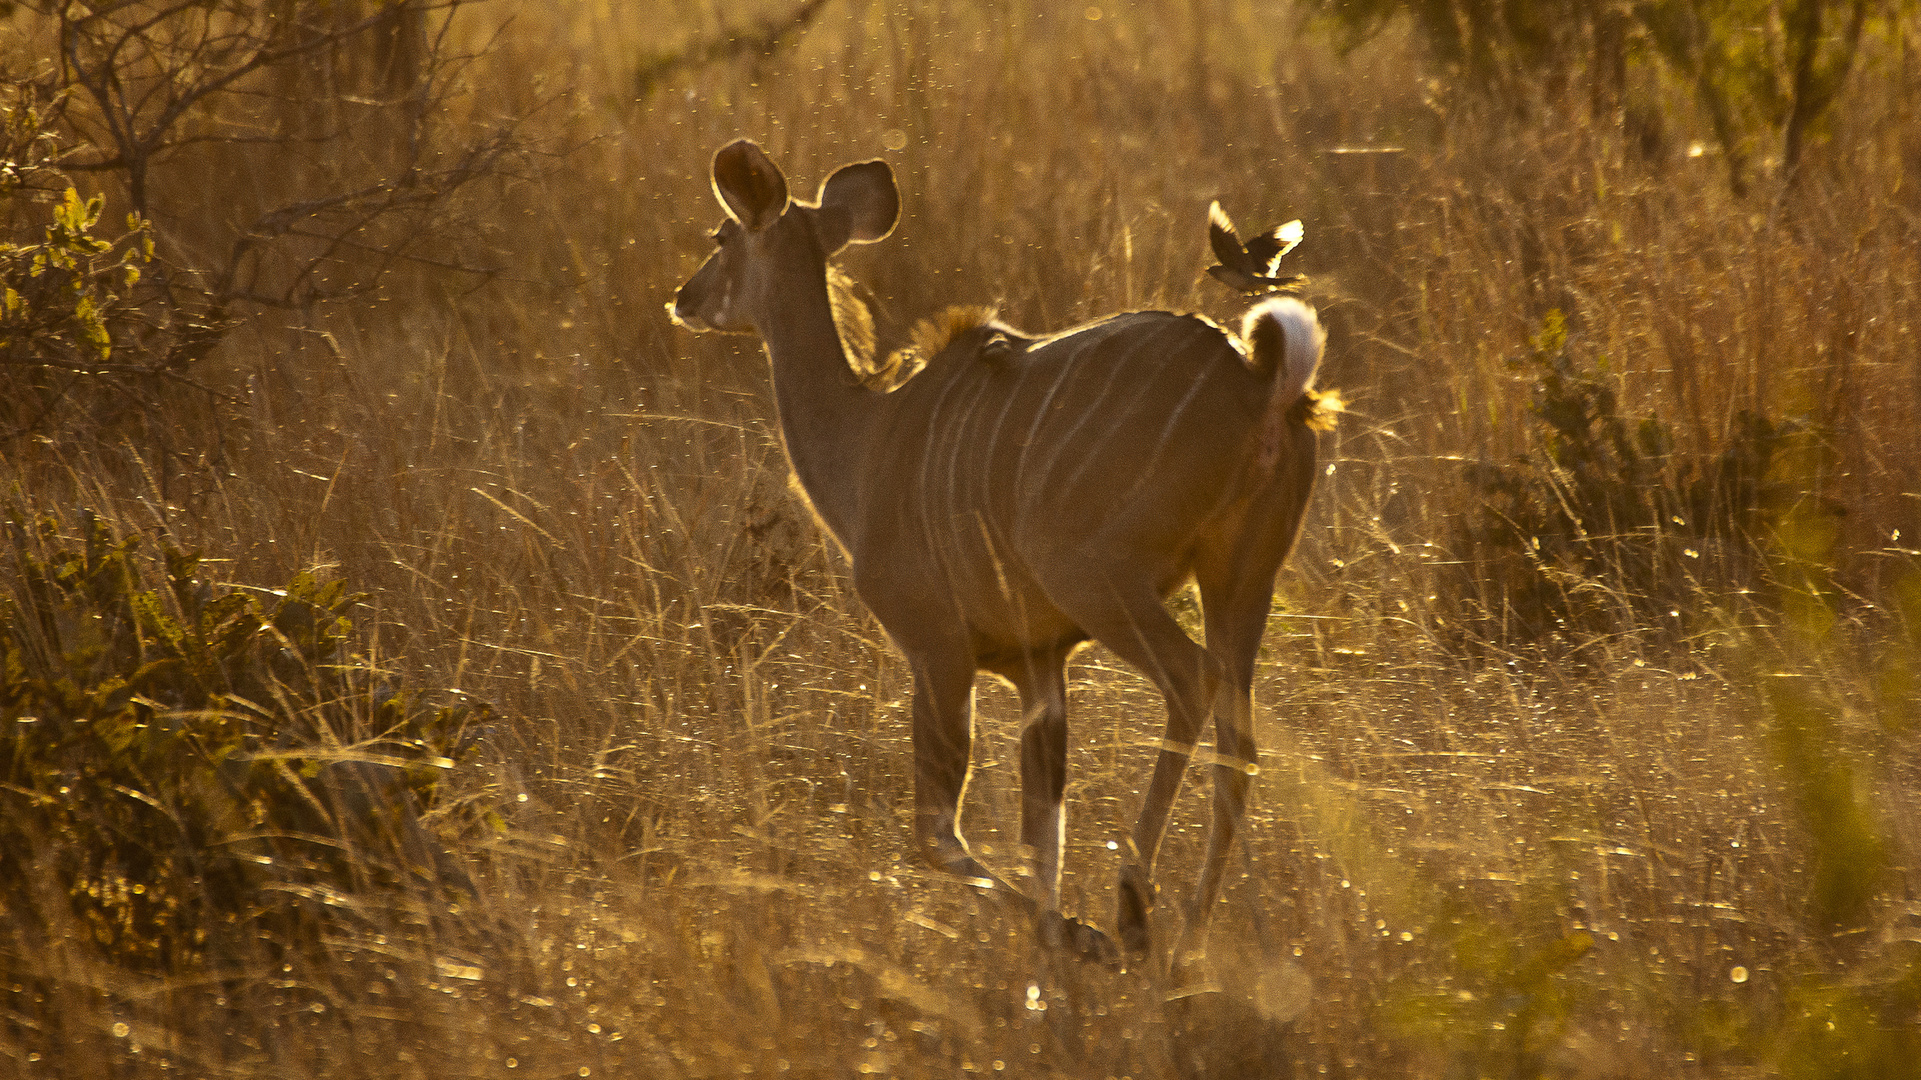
999	511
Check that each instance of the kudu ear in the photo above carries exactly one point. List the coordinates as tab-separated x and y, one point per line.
749	185
858	204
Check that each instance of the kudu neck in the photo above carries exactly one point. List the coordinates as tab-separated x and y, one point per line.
825	413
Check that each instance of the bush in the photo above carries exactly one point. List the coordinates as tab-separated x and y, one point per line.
1603	526
71	300
184	763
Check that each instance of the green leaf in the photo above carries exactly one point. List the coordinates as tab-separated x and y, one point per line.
92	326
76	215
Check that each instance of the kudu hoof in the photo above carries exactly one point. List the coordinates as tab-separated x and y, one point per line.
1076	937
1137	895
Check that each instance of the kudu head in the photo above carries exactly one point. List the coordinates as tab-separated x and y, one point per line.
741	287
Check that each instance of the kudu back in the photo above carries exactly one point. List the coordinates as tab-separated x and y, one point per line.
999	510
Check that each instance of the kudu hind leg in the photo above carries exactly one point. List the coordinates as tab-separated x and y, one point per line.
1235	756
1235	604
1137	628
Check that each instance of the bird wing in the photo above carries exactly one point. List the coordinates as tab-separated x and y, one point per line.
1266	249
1225	242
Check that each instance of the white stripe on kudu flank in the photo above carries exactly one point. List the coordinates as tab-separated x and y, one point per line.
1153	448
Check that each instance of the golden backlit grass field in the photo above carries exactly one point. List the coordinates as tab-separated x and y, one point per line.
1632	797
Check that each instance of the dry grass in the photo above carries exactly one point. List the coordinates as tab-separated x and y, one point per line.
1470	855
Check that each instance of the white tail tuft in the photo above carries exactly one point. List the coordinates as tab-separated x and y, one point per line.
1285	337
1286	326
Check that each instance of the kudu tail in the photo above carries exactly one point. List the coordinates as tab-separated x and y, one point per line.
1285	341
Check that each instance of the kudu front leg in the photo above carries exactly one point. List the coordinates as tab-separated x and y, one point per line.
943	750
1043	782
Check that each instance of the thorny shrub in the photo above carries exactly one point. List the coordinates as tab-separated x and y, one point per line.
1603	525
191	761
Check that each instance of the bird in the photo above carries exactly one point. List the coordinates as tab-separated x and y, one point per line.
1250	268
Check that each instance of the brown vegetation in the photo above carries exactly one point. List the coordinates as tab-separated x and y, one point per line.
1589	700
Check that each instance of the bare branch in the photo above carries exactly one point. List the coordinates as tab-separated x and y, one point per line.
158	88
